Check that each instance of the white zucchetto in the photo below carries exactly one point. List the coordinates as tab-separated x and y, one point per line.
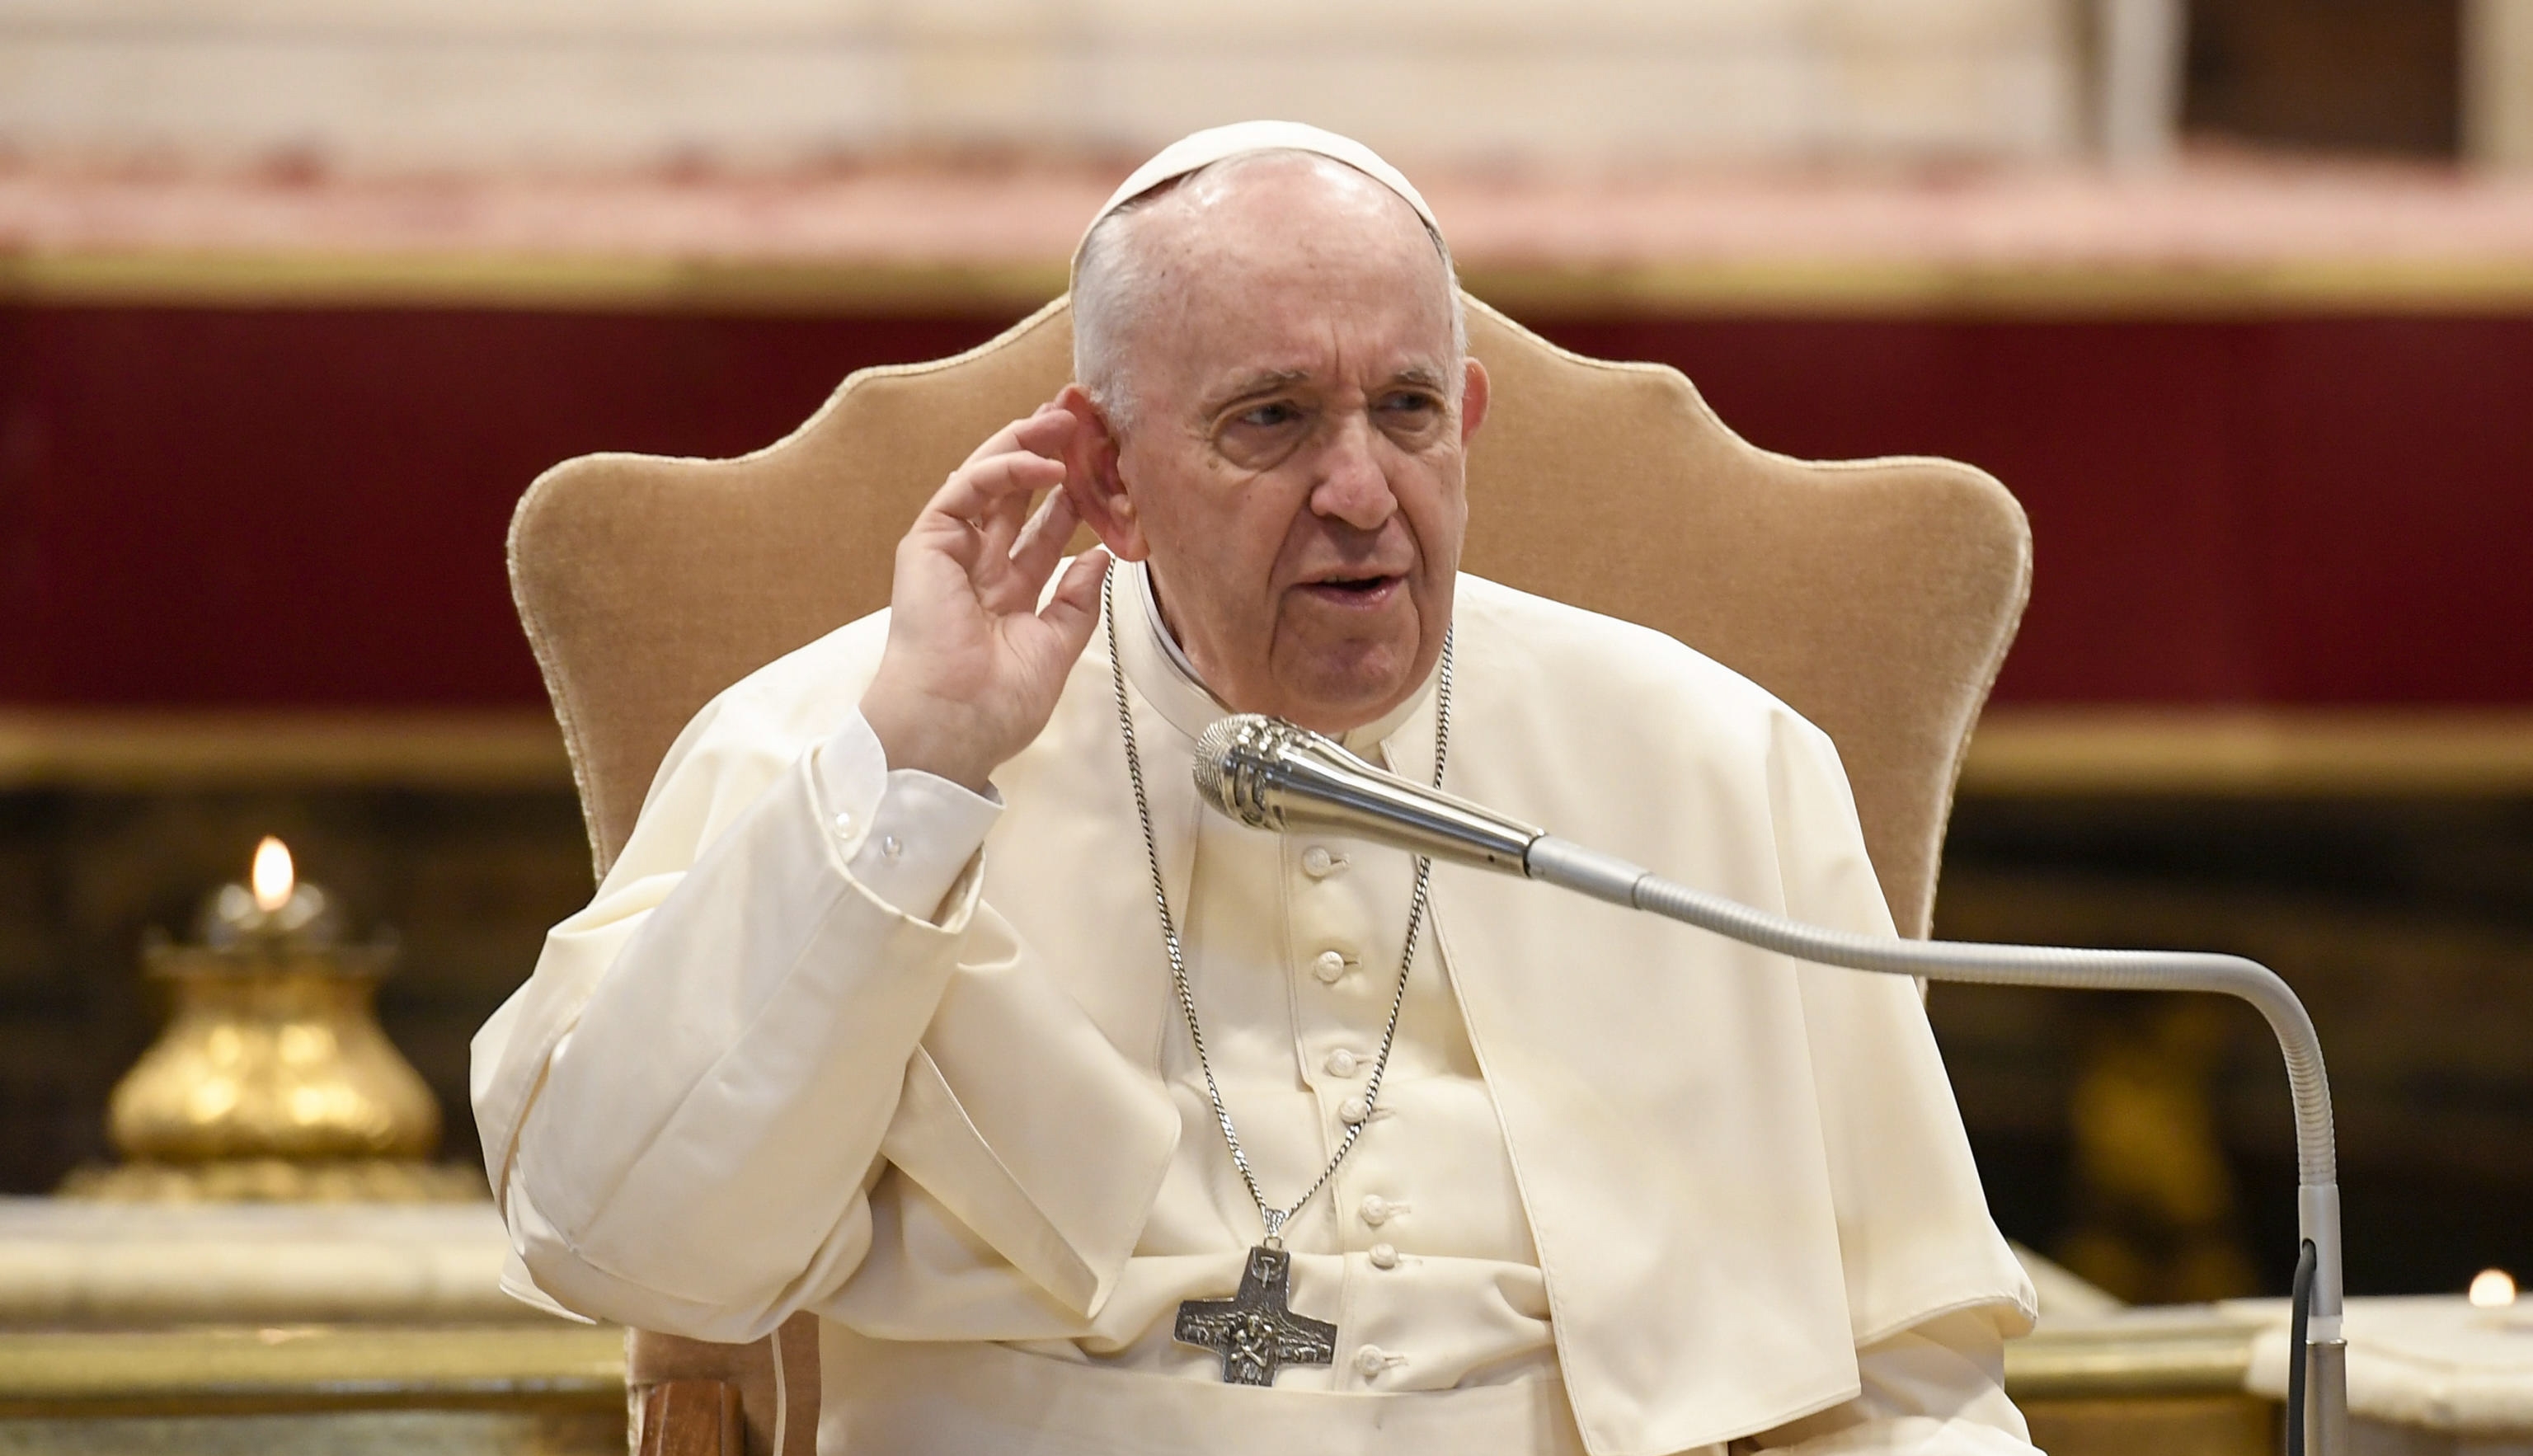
1204	149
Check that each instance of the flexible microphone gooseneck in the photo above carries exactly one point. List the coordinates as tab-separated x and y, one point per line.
1273	775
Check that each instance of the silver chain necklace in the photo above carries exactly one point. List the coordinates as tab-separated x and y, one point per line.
1255	1331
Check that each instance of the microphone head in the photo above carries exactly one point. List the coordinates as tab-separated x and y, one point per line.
1211	766
1273	775
1232	759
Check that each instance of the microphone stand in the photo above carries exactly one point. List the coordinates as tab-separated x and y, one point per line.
1273	775
2317	1407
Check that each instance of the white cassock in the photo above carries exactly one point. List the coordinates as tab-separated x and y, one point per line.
837	1038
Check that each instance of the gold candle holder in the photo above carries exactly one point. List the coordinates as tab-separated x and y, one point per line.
272	1079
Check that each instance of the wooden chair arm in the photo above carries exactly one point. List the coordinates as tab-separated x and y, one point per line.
771	1385
689	1417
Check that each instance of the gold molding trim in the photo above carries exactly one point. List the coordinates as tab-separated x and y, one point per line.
2183	1350
2069	751
1876	288
2017	752
308	1368
1866	288
566	283
506	748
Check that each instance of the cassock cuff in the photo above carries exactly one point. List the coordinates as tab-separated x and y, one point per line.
905	835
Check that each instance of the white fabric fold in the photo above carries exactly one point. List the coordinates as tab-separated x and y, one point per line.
739	1063
1784	1133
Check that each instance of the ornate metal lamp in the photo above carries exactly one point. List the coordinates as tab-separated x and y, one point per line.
273	1081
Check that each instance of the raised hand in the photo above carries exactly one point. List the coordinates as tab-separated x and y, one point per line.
974	666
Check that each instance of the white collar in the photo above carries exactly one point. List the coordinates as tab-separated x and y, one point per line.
1161	631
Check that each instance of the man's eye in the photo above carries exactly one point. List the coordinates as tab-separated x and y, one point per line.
1405	403
1267	416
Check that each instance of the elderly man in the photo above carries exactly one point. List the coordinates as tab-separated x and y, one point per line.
924	996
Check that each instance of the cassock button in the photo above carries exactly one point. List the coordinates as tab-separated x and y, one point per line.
890	848
1371	1361
1378	1210
1317	862
1343	1063
1354	1110
1383	1256
1329	967
844	825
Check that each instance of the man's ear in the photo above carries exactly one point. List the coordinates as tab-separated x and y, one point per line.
1473	398
1093	479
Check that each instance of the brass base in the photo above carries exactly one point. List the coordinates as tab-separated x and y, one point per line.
271	1052
279	1181
2214	1425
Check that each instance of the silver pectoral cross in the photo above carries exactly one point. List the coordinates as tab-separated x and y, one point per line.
1256	1331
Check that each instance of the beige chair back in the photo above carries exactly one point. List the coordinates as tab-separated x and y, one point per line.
1877	598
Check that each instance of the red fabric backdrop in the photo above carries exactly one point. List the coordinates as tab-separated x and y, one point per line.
204	507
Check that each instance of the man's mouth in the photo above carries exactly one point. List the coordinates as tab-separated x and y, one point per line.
1355	591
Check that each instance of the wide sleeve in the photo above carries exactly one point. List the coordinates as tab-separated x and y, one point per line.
1915	1233
1933	1390
684	1109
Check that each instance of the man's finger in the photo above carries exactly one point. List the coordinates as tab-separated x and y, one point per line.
1074	610
1004	521
1043	541
973	491
1040	433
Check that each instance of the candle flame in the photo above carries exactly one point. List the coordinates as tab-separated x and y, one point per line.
2492	1289
272	876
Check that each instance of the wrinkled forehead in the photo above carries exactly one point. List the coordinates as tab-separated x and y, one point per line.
1288	271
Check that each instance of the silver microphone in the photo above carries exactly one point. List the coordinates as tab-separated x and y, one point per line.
1269	774
1273	775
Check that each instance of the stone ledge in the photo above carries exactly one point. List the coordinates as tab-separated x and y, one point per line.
65	1263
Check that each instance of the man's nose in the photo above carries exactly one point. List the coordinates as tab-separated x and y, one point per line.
1352	487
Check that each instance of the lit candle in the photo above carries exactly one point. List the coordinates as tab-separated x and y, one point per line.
274	909
2492	1289
272	876
2492	1302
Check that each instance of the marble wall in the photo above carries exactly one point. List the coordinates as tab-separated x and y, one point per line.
469	85
444	83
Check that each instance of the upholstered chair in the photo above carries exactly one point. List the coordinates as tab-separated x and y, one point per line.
1875	597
